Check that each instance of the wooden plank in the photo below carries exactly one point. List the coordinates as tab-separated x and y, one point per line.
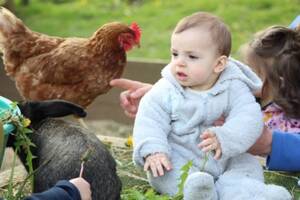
19	175
114	141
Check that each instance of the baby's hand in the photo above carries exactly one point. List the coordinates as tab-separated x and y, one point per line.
210	143
156	163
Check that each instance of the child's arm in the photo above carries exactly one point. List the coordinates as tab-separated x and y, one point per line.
285	154
152	123
244	122
63	190
263	145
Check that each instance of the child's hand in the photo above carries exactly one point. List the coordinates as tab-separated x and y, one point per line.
210	143
84	188
156	163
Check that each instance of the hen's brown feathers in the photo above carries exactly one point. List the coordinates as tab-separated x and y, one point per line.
74	69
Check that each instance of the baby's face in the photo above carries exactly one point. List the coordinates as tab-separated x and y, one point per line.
194	57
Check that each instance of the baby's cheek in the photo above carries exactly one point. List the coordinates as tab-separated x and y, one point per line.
199	74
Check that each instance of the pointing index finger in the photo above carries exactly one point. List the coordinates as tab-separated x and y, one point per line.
126	84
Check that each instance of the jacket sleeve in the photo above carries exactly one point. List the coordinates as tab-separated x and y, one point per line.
285	154
63	190
152	123
244	122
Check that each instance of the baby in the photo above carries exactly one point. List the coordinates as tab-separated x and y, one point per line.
175	119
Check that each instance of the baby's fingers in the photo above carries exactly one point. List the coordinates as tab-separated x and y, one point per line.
218	154
146	166
206	143
210	147
207	134
159	168
166	164
153	169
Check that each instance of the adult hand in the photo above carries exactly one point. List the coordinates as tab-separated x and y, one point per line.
130	98
84	188
157	163
263	144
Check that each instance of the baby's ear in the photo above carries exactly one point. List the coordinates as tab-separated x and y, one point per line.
220	64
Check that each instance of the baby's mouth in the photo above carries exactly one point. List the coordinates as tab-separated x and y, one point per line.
181	76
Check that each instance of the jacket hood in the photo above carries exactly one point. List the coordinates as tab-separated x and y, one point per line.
234	70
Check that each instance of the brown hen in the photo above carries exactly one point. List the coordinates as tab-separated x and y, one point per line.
73	69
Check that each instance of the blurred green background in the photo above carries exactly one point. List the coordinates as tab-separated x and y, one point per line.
157	18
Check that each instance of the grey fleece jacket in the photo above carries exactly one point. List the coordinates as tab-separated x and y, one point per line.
170	118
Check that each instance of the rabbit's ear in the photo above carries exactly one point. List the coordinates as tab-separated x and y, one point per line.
36	111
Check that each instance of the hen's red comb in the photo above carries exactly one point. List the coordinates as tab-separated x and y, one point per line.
137	30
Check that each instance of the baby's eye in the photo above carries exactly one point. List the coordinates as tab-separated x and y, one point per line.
193	57
174	54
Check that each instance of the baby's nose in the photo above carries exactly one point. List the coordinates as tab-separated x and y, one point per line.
180	63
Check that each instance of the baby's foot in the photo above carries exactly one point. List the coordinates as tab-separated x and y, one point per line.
276	192
200	186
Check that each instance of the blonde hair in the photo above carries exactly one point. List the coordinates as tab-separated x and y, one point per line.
219	31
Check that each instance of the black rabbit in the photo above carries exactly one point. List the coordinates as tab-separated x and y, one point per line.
60	145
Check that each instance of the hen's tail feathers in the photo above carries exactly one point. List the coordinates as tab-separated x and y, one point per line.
9	23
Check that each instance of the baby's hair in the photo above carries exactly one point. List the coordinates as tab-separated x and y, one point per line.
220	33
275	54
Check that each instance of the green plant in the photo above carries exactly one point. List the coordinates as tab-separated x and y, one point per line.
150	194
205	161
184	174
84	158
22	143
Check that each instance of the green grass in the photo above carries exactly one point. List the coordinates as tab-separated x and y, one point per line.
135	186
157	18
289	181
